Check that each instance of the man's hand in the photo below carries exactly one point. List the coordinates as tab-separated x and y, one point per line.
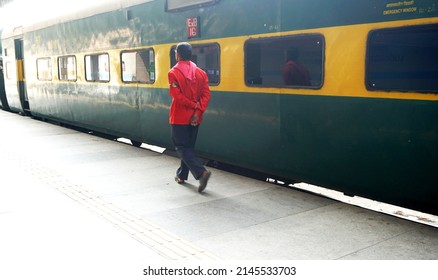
194	120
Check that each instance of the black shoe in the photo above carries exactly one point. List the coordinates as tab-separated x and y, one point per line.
203	180
179	180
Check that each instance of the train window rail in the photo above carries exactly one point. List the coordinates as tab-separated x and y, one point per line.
138	66
44	69
97	68
293	61
207	57
403	59
67	68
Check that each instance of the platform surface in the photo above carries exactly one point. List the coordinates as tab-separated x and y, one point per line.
69	197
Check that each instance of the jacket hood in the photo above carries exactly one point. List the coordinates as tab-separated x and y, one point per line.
187	68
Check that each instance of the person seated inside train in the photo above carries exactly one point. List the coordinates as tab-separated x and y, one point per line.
294	73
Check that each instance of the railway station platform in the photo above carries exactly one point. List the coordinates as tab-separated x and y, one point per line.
72	202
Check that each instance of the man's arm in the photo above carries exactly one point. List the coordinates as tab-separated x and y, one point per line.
175	92
205	97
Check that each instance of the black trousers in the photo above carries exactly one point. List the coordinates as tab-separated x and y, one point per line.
184	139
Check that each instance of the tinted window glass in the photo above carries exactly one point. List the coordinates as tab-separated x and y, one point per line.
403	59
293	61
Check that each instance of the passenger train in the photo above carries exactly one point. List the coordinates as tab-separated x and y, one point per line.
366	124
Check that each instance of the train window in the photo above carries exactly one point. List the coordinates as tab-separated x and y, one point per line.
206	57
403	59
293	61
178	5
44	69
67	68
138	66
8	70
97	68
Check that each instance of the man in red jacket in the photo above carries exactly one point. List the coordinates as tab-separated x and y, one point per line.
190	97
294	73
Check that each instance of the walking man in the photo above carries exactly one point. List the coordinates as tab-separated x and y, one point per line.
190	97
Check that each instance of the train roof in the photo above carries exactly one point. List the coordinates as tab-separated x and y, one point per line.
67	14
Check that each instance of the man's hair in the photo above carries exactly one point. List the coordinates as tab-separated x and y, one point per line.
184	50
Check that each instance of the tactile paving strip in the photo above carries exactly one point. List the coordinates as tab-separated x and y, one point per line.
161	241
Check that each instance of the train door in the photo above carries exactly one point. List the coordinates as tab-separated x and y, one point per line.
21	81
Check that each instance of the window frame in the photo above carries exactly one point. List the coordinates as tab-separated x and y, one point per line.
191	5
7	72
195	46
151	80
98	80
319	38
50	69
369	82
67	75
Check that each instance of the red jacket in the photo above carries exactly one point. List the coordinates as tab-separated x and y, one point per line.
190	92
295	74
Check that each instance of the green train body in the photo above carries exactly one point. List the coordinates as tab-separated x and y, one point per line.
362	127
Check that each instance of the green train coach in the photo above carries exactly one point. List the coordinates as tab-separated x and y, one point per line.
366	123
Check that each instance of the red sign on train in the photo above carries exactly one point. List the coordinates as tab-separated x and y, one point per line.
193	27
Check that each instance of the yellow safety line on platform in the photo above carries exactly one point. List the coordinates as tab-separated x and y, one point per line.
159	240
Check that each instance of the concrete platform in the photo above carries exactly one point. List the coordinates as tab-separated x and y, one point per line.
70	197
